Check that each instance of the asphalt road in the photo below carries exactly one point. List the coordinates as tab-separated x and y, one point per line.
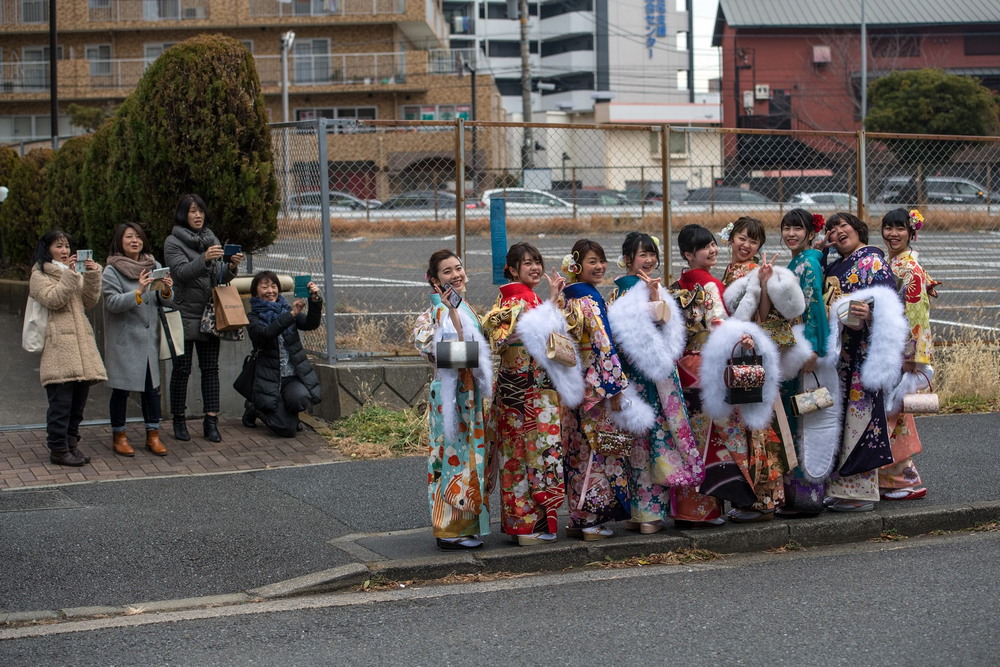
920	601
382	278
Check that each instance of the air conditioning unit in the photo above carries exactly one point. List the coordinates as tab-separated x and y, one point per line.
748	102
194	12
821	55
762	91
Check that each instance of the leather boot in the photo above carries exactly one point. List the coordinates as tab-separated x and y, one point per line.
153	443
249	416
212	428
64	457
121	446
74	447
181	428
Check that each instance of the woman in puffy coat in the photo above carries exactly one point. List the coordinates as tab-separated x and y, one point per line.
285	382
70	361
131	334
195	258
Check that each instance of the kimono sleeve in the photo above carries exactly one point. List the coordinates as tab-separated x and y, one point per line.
500	322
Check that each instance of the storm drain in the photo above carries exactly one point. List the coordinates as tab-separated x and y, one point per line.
26	501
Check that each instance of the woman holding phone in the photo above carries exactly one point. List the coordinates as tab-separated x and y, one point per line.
70	361
458	454
868	332
196	261
132	339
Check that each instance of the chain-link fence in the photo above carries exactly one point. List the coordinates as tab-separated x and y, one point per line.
398	190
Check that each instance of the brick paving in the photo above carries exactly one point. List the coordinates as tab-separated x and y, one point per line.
24	457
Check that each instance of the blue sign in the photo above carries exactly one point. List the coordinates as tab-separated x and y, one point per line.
656	23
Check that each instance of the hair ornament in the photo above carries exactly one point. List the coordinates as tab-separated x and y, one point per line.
621	262
727	232
916	220
570	265
819	222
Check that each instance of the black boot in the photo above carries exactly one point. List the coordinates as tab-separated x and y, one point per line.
181	428
212	428
74	447
249	416
64	457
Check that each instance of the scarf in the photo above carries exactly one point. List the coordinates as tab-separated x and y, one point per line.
269	311
199	240
131	268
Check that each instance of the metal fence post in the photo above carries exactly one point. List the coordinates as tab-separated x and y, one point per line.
665	188
862	175
460	189
324	190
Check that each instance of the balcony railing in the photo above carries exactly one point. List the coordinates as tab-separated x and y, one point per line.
334	69
24	77
24	12
450	61
269	8
147	10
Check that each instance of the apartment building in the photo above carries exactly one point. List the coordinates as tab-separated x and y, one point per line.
350	60
582	52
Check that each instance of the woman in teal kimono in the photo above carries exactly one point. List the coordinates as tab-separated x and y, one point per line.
804	497
459	456
650	332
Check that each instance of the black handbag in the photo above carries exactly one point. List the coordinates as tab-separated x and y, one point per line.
744	378
244	381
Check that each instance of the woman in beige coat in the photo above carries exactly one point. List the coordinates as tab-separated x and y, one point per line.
70	361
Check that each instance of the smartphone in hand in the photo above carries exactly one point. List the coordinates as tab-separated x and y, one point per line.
81	259
231	249
158	275
302	287
453	298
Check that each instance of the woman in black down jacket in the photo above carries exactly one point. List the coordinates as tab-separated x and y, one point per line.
285	383
195	258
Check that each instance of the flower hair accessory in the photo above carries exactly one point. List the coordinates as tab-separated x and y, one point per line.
621	261
916	221
570	266
727	232
818	222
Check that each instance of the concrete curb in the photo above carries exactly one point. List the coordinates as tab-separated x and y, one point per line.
827	529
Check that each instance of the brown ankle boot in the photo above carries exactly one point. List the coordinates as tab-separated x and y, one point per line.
121	446
153	443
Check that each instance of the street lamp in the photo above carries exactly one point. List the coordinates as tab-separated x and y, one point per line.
287	40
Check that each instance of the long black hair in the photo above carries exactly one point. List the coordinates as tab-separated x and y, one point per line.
42	254
516	255
181	212
636	242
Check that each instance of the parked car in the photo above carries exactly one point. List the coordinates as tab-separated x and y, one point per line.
937	190
594	197
525	199
311	202
726	195
838	200
432	199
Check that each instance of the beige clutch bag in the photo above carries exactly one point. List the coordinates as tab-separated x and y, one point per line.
561	349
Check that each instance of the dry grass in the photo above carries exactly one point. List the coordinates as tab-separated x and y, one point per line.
967	377
371	334
788	547
680	557
891	535
380	583
377	432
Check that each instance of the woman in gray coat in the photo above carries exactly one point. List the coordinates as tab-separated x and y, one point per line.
131	333
195	258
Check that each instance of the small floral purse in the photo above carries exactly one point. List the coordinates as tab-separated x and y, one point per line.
561	349
811	400
744	378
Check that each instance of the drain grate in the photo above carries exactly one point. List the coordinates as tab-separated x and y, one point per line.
25	501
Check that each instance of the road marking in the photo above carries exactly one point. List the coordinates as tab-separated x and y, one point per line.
967	326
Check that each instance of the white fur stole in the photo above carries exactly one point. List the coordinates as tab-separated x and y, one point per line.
652	348
888	331
636	415
716	352
743	296
449	377
534	327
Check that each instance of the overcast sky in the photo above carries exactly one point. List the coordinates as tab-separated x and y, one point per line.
706	58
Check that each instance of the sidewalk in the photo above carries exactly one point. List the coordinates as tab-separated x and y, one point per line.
170	533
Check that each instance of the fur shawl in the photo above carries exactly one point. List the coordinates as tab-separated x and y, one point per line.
636	416
651	347
449	377
716	352
534	327
887	335
821	430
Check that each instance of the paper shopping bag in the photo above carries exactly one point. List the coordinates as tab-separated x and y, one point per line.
229	311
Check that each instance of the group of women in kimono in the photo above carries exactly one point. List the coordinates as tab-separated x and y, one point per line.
620	409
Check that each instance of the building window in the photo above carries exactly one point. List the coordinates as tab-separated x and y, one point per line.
99	56
445	112
508	49
682	80
152	50
99	4
895	45
551	9
678	143
982	45
509	87
247	44
682	41
34	11
312	61
314	7
498	10
567	44
35	66
345	114
33	128
158	10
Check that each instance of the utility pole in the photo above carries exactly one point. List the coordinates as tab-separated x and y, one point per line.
864	65
528	143
53	80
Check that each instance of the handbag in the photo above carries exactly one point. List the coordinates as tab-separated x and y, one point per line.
171	333
812	400
208	321
609	441
561	349
229	311
457	354
922	403
36	321
744	378
243	383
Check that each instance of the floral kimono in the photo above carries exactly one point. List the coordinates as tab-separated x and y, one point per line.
524	422
803	495
459	454
668	454
915	289
867	362
699	294
596	485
